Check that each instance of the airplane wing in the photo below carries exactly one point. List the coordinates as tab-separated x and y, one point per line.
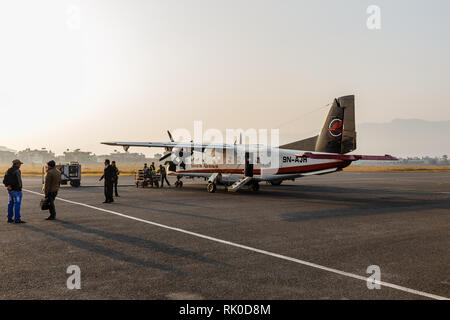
344	157
190	145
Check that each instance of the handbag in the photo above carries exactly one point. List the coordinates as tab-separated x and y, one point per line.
44	204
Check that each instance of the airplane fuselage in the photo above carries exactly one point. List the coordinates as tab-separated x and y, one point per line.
283	165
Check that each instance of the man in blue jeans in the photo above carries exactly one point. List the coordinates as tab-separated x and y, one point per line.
13	183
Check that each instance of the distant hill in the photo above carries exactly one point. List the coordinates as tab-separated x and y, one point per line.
405	137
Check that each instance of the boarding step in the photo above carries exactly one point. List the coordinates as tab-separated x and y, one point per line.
239	184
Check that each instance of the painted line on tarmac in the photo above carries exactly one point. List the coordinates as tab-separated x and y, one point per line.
268	253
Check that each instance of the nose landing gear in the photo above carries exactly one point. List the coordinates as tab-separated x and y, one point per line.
178	183
211	187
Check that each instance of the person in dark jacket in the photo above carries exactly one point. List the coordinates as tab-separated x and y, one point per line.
13	183
162	172
51	187
108	177
148	176
152	173
116	173
152	167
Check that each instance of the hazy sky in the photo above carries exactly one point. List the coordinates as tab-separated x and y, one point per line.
75	73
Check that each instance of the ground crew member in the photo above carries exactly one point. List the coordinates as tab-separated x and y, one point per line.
162	172
146	171
51	187
152	168
116	173
152	173
108	187
13	183
147	175
145	168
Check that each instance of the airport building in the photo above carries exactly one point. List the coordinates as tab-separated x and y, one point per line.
83	157
6	156
134	159
35	158
38	158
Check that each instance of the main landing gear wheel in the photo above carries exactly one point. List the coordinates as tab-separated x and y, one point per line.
254	187
276	182
178	184
75	183
211	187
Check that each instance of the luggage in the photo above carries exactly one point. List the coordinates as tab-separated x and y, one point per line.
44	204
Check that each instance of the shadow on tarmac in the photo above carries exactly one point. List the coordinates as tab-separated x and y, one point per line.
141	243
103	250
359	204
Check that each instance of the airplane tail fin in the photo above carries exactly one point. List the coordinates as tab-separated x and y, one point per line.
348	142
338	133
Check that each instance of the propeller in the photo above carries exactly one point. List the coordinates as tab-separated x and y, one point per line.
169	150
170	136
165	156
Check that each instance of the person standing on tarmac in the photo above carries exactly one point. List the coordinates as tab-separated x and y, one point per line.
116	173
152	174
51	187
13	183
162	172
148	174
108	176
152	168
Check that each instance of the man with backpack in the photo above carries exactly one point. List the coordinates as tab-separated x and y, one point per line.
13	183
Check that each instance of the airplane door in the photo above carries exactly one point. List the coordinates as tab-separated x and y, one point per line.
172	166
248	170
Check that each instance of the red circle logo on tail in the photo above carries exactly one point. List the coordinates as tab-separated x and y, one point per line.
335	128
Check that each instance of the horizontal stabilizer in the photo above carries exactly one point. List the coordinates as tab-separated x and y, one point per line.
345	157
305	144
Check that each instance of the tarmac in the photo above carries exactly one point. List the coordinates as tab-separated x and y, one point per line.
310	239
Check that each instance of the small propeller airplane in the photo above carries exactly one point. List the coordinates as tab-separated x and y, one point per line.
318	155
